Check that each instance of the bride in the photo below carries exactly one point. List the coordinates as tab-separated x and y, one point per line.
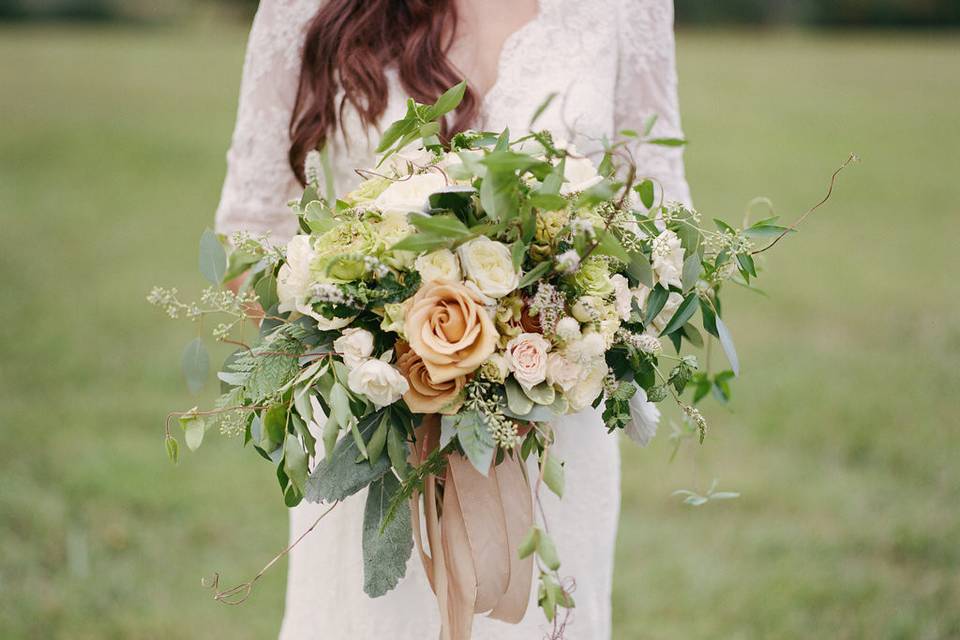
327	74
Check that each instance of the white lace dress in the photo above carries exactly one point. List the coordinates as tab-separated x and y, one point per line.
612	64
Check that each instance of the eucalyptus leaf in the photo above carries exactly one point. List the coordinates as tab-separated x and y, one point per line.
726	341
655	302
195	363
646	192
691	272
213	258
518	402
442	225
535	274
194	427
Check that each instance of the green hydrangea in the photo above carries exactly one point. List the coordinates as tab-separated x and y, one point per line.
592	278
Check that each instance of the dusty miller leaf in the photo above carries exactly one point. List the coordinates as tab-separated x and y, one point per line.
385	553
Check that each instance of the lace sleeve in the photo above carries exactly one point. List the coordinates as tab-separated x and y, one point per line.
259	180
647	85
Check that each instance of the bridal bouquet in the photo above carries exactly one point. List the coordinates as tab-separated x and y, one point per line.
422	332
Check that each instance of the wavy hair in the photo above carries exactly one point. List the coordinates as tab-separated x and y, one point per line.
349	45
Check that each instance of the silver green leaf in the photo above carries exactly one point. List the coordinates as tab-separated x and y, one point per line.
213	258
386	545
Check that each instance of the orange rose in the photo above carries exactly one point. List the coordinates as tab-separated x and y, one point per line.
425	395
449	329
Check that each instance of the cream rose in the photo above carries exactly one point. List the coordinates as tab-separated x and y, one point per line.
424	395
295	282
667	259
449	329
579	173
489	265
588	387
561	372
355	345
378	381
526	356
409	195
441	264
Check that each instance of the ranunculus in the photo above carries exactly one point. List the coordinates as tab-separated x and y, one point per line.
489	265
355	345
623	297
378	381
667	259
561	372
410	194
394	314
526	356
295	281
448	327
644	418
441	264
588	348
424	394
588	387
568	329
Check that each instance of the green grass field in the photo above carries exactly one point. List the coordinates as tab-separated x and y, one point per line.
842	438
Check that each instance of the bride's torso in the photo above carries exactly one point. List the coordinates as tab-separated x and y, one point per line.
566	48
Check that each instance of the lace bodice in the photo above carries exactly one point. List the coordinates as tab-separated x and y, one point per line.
611	62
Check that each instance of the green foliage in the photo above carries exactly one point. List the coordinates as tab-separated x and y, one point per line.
341	474
386	544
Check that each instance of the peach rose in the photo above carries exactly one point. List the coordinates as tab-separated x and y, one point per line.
448	327
425	395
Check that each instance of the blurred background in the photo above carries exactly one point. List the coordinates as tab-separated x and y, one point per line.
842	436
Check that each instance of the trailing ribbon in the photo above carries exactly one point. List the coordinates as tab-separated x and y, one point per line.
473	533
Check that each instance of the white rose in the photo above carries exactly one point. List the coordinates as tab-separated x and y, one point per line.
568	329
644	418
409	195
587	349
589	386
495	368
441	264
667	259
295	283
623	297
378	381
526	356
561	372
489	265
579	174
355	345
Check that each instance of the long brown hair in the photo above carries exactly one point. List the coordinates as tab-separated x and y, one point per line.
350	43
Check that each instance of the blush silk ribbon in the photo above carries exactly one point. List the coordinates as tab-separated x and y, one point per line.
473	532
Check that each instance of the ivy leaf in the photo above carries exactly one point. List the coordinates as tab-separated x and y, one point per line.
683	313
646	192
387	545
340	475
213	258
195	364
